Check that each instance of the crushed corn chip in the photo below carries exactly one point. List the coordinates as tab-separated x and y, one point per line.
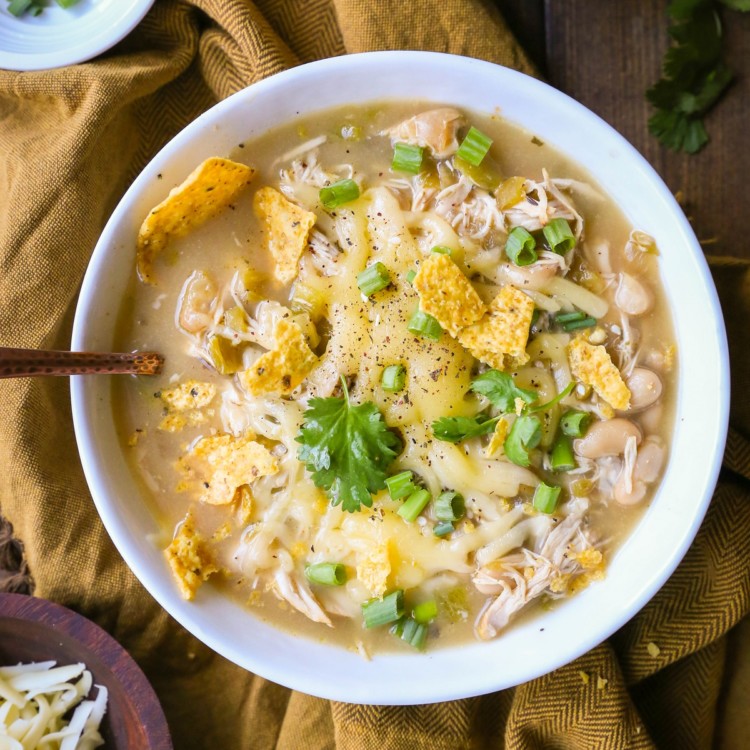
589	558
176	422
284	367
244	498
446	294
498	439
192	394
223	532
499	338
212	186
593	366
559	583
584	677
285	230
224	463
189	558
135	437
653	649
601	682
373	569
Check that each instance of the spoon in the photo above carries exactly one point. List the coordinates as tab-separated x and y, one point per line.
23	363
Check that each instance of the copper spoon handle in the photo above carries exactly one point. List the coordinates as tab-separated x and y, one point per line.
23	363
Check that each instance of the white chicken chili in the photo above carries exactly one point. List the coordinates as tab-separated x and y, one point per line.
419	376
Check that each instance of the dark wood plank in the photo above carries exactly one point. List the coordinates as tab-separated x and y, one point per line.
526	20
607	60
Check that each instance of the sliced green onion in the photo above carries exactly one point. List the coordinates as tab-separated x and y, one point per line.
425	612
394	378
414	505
441	250
520	247
400	485
559	236
474	147
343	191
19	7
575	423
378	612
562	458
66	3
443	528
535	317
565	392
406	158
570	317
411	275
450	506
574	325
327	574
422	324
414	633
398	627
545	498
373	279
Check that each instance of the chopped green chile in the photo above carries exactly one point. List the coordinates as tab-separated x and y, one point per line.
559	236
410	276
225	356
546	497
575	423
520	247
486	175
442	250
326	574
377	612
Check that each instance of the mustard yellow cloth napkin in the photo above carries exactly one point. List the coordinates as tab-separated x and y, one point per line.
71	141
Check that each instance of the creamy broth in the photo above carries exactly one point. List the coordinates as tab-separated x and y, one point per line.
229	249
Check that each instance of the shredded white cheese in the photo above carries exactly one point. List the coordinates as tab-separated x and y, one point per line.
35	699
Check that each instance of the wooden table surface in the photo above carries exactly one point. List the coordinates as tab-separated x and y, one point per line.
606	54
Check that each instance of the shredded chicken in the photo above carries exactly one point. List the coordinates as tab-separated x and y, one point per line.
435	129
518	578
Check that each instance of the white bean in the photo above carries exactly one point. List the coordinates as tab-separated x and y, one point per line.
651	419
645	388
633	297
635	496
606	438
650	460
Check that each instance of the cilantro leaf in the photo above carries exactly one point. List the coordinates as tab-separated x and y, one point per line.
456	429
524	436
694	74
347	448
500	389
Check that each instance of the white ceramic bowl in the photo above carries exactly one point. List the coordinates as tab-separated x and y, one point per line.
58	36
647	558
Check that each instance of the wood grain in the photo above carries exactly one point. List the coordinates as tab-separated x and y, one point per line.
606	60
38	630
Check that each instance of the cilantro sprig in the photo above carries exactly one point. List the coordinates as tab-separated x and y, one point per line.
500	390
695	75
347	448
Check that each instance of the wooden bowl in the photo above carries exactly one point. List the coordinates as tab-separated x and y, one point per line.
38	630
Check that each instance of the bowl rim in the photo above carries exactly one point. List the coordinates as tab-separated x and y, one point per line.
57	618
484	683
120	18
